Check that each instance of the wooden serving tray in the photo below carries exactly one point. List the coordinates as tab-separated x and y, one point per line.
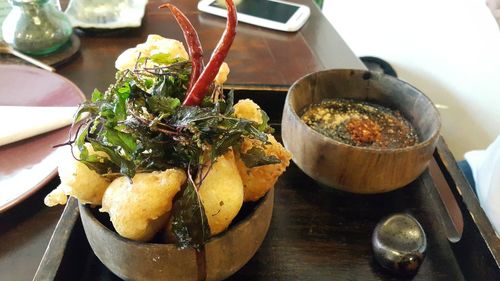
318	233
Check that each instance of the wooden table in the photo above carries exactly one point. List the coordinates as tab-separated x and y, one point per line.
258	56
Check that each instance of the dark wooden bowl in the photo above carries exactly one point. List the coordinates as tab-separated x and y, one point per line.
359	169
223	254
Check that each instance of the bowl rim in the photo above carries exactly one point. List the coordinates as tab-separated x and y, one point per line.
86	208
310	130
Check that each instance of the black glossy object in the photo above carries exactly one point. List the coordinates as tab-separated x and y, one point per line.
399	244
378	65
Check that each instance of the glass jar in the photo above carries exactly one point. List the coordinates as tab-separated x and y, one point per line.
36	27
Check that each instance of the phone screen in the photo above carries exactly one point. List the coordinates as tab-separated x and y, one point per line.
265	9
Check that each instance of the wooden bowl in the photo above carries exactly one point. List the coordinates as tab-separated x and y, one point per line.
351	168
222	256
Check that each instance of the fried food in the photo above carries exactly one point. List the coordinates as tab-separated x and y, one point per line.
56	197
221	76
79	181
154	45
221	192
140	208
258	180
248	109
144	124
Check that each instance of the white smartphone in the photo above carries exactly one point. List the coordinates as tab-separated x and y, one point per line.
274	14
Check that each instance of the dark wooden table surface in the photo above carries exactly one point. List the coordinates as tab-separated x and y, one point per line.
258	56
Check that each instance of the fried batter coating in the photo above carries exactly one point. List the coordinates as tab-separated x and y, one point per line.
56	197
221	193
139	209
258	180
78	181
248	109
221	76
155	44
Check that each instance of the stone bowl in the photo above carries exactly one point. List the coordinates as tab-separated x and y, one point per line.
222	255
351	168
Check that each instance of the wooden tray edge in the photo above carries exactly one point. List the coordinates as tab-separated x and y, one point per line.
54	253
475	223
478	233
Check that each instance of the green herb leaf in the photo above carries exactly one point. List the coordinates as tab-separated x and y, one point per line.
123	93
163	58
81	110
96	95
229	104
189	221
93	161
116	162
163	105
255	157
264	126
121	139
189	114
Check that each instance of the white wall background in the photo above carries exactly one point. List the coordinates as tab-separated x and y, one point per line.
449	49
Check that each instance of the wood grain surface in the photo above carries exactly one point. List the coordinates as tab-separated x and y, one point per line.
65	55
318	233
354	168
315	234
258	56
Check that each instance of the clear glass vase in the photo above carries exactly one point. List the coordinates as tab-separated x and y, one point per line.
36	27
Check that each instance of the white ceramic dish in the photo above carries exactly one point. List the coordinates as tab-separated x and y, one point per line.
27	165
110	14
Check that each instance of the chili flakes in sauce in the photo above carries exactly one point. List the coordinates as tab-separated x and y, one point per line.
360	123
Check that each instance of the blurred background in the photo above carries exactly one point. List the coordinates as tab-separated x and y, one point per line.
449	49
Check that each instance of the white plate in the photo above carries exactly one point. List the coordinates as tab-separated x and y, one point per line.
27	165
109	14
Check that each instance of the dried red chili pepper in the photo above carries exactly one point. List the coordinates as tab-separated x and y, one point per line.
200	88
192	40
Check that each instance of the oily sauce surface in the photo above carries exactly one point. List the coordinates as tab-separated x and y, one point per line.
360	123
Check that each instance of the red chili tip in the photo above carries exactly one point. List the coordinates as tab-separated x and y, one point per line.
192	40
196	94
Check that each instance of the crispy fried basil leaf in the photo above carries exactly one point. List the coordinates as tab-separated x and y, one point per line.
119	164
121	139
94	162
255	157
163	105
186	115
96	95
264	126
163	58
189	221
229	104
122	94
236	129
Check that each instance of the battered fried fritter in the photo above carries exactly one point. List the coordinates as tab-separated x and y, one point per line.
258	180
221	193
247	109
78	181
56	197
139	209
154	45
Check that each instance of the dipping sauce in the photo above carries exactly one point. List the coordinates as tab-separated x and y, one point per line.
360	123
